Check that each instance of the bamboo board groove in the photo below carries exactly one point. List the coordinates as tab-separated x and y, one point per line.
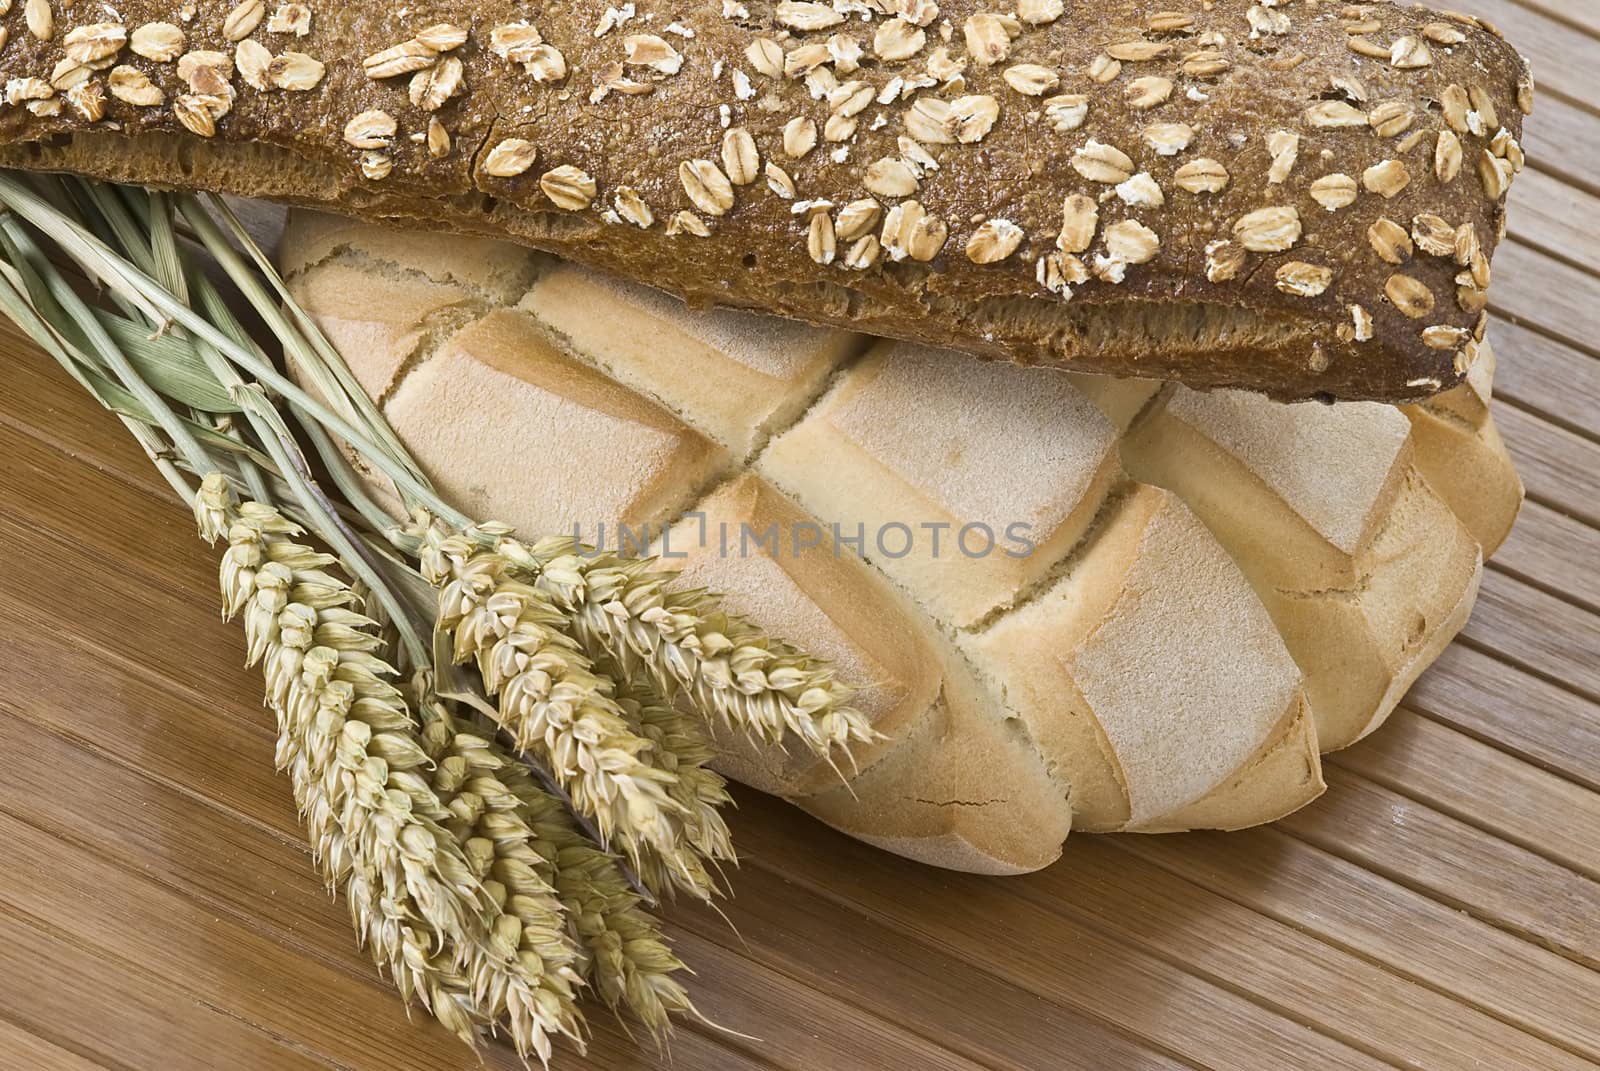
1575	13
1463	777
1548	377
1453	862
1540	548
1438	908
1542	211
1513	711
1559	140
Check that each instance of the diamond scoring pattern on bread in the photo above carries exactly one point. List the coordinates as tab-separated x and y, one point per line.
765	369
541	421
1168	658
1366	572
927	437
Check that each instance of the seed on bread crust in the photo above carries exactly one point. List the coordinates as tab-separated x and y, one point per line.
1098	162
1201	176
1168	139
739	156
39	18
1410	295
295	71
195	116
1132	242
1434	235
1080	218
1031	79
1300	279
631	207
1390	241
993	241
1447	157
1335	191
133	86
857	218
159	41
569	187
95	42
510	158
242	19
1386	179
1145	93
373	129
1269	230
890	176
1334	115
708	188
821	242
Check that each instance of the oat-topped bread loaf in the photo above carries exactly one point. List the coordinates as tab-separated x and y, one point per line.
1067	601
1297	197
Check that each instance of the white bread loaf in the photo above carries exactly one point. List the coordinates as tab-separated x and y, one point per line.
1220	587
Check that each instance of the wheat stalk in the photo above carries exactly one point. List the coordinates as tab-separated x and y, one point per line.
680	746
683	642
474	955
489	895
535	840
556	707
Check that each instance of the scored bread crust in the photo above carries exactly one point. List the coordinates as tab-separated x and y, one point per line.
1291	198
1223	587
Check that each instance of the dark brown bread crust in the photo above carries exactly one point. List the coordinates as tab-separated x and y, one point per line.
1366	149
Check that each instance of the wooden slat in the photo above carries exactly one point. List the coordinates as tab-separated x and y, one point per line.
147	723
799	1028
997	927
1310	981
117	1014
1542	212
1454	863
1560	138
1517	712
1381	920
115	595
1530	287
1546	376
75	892
1459	775
1542	548
35	1052
222	963
122	521
1563	62
1579	14
61	414
266	883
802	935
1558	467
1548	636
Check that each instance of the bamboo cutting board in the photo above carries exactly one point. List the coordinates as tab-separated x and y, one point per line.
1439	907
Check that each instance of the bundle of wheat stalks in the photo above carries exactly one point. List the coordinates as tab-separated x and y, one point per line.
496	744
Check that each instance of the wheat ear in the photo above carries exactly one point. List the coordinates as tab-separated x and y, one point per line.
686	643
379	831
559	710
680	745
626	959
